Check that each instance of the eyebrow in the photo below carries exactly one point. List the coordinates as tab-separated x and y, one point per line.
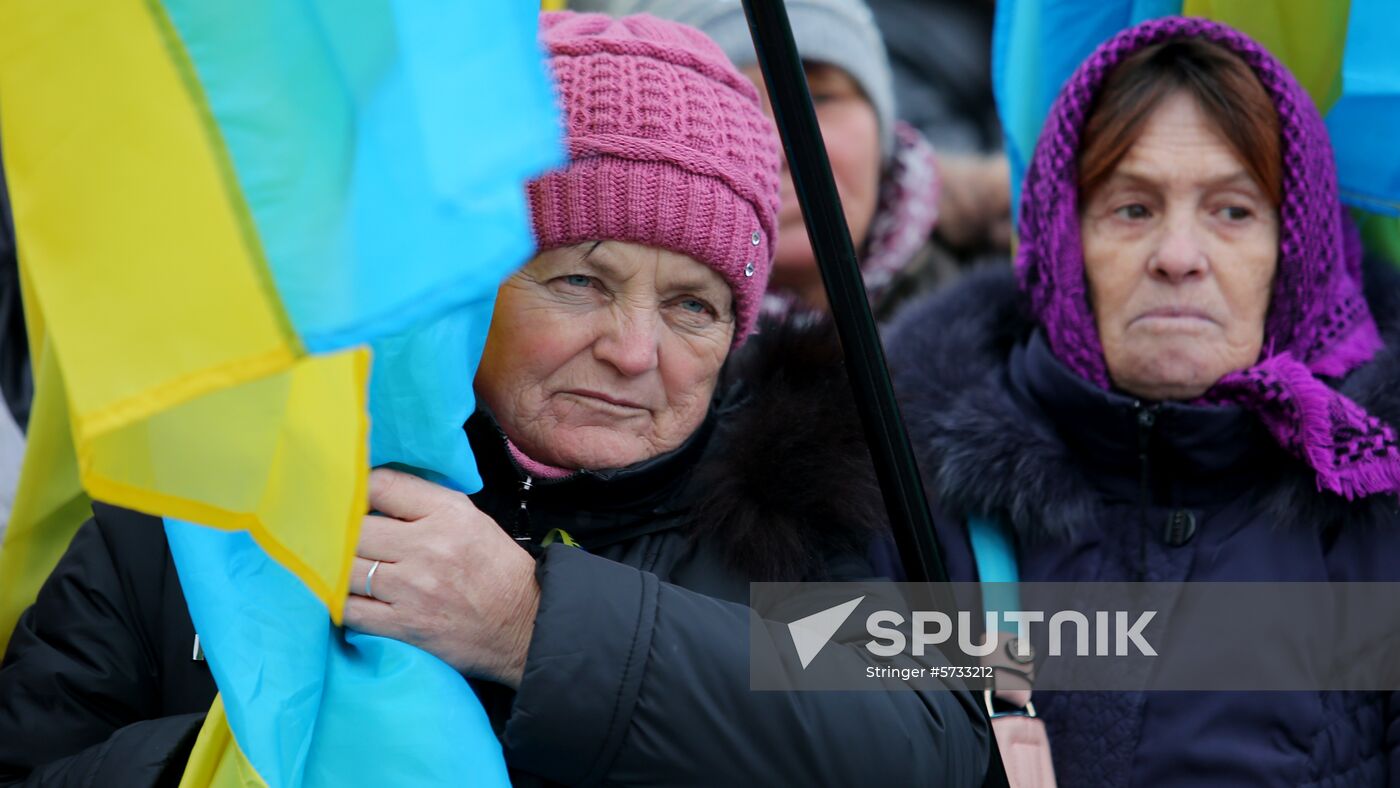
695	285
682	284
599	265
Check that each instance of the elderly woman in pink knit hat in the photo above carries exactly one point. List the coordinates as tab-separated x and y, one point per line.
642	465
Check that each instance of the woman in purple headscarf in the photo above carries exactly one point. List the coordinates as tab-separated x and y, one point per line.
1183	381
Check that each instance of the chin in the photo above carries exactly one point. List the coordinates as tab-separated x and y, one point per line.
1171	372
595	449
1171	391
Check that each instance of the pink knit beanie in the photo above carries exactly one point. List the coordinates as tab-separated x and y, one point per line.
668	147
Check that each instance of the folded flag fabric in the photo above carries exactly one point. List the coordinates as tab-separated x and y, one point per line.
1370	101
49	504
308	702
217	208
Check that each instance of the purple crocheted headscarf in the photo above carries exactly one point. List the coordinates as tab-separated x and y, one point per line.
1318	323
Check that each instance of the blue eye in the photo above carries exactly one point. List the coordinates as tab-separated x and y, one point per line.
578	280
694	305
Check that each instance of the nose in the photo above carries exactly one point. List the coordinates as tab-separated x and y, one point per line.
630	343
1180	256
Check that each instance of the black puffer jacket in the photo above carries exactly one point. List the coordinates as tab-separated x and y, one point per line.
638	672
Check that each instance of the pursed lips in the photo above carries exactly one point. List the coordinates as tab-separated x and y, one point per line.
1175	313
606	399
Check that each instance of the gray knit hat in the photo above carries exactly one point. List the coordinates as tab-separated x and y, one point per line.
841	33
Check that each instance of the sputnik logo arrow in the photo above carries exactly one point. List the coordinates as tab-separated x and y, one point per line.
809	634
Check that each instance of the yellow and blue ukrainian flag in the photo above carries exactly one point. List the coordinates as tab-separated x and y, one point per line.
259	245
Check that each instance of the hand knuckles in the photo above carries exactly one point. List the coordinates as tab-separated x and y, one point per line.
440	554
461	511
381	480
429	586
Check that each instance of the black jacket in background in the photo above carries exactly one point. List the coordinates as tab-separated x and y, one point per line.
941	55
638	671
98	687
16	376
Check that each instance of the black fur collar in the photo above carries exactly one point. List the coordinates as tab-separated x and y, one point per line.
788	483
979	452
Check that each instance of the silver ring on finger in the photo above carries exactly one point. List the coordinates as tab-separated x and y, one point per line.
369	581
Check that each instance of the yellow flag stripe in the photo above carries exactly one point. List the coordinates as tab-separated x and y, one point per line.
218	150
308	520
102	135
216	760
187	392
50	504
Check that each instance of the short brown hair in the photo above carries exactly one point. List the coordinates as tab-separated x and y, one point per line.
1224	86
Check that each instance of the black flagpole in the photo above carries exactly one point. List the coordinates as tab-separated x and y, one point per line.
845	291
895	467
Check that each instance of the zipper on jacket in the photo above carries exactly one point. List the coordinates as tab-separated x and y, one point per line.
1146	421
520	528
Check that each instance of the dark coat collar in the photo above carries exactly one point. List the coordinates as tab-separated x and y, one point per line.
1002	428
596	507
608	487
1204	454
787	485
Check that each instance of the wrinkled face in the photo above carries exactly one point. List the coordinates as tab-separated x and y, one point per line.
1180	250
603	355
851	131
